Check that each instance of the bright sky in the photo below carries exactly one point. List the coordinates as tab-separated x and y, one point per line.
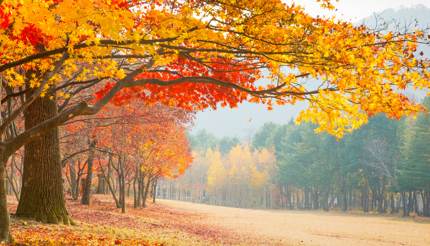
245	120
356	10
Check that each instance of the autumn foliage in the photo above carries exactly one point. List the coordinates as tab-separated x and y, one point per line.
199	54
140	143
124	75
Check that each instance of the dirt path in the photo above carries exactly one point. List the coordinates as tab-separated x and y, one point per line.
312	228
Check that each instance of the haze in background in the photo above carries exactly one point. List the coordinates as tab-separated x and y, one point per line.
244	120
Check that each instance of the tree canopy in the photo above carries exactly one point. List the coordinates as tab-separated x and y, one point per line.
199	54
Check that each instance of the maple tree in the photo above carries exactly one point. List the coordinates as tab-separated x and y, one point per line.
193	55
137	143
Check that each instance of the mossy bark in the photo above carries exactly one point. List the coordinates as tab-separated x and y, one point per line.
42	197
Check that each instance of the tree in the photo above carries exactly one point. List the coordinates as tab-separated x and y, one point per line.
413	173
216	174
203	140
194	55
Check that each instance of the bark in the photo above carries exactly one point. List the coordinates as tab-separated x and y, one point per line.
121	183
11	178
405	204
74	181
411	202
109	174
365	197
154	190
4	214
145	196
416	210
141	189
128	189
426	203
101	185
136	187
324	202
316	198
109	184
392	204
135	202
86	195
344	200
42	195
307	200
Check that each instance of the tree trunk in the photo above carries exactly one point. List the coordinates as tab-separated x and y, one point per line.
101	184
411	202
4	214
109	178
365	197
154	190
74	182
136	187
11	178
344	200
141	189
325	198
135	195
42	195
86	195
405	204
392	204
121	183
145	196
426	203
109	184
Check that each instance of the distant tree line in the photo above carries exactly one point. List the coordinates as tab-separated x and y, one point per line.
383	167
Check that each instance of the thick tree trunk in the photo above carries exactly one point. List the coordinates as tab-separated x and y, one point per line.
42	195
86	195
4	214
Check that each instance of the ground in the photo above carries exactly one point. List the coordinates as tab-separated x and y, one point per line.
181	223
314	227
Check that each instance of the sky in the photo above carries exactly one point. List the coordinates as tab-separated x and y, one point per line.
355	10
245	120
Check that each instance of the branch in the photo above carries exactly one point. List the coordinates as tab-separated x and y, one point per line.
105	42
37	131
63	162
34	96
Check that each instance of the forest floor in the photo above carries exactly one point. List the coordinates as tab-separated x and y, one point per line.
182	223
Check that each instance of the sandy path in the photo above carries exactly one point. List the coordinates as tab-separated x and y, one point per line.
313	228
